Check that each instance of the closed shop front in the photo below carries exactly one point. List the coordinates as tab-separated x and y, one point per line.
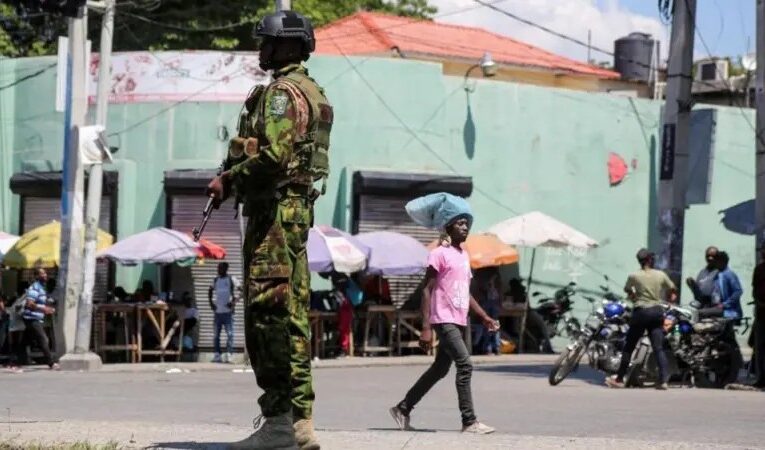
185	202
379	200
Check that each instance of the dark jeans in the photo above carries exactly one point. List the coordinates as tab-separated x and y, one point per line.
34	333
224	320
451	347
652	321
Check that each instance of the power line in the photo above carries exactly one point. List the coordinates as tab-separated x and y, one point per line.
168	108
187	29
28	77
722	76
414	134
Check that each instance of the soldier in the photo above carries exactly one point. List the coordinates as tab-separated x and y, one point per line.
281	151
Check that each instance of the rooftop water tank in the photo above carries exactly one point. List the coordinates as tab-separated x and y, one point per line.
633	56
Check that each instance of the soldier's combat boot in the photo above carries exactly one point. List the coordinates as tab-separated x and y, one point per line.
305	436
276	433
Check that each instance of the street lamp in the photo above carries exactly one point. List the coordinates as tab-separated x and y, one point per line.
488	67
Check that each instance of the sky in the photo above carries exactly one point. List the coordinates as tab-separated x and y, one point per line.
727	26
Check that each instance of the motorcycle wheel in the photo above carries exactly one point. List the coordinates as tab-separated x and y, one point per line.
724	372
634	377
566	363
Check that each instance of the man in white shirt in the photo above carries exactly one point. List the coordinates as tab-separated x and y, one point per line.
222	297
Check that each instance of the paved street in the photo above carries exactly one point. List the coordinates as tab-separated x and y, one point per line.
206	408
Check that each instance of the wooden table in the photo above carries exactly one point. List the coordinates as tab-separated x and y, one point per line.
318	319
128	311
409	321
372	312
156	313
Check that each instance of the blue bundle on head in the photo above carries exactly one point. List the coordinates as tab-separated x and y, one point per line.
439	210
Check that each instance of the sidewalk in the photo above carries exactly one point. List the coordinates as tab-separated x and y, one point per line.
130	435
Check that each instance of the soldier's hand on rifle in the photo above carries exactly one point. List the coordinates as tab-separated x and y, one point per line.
217	189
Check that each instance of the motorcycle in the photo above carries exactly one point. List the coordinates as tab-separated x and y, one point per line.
601	339
556	313
698	349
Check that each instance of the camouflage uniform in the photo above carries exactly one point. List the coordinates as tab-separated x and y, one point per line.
281	152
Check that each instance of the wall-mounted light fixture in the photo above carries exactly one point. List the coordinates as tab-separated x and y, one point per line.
488	67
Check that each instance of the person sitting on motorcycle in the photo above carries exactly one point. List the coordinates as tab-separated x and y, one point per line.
728	290
704	285
645	288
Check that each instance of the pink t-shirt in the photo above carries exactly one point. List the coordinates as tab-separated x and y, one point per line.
450	299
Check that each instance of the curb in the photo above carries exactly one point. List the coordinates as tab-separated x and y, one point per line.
344	363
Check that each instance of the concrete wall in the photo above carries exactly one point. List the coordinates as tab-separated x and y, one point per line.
526	147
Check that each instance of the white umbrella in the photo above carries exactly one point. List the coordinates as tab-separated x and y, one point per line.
158	245
536	229
6	242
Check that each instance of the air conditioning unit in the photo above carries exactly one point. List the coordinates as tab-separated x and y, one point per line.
712	70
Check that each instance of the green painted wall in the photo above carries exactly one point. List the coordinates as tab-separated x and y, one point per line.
527	148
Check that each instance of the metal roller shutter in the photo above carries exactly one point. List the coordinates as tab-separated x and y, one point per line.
222	229
387	213
39	211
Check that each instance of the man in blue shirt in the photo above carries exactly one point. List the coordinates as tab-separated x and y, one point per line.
728	288
728	292
35	310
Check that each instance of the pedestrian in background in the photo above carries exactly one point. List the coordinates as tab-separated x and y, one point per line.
223	289
704	285
728	290
35	309
488	293
646	288
758	292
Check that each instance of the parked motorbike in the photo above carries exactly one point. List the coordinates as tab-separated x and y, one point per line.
601	339
698	348
556	313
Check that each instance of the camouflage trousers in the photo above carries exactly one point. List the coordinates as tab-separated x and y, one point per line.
277	294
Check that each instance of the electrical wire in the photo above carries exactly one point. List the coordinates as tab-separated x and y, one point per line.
724	79
187	29
28	77
169	107
414	134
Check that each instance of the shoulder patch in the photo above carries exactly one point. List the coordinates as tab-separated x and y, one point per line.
278	104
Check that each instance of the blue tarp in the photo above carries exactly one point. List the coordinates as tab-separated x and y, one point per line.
437	210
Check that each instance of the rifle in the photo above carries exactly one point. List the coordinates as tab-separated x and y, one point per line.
207	212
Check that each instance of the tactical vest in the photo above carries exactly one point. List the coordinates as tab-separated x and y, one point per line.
310	155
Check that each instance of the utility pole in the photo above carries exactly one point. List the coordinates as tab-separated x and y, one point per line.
760	137
673	169
93	206
70	271
282	5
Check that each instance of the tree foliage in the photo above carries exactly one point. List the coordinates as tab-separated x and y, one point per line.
179	24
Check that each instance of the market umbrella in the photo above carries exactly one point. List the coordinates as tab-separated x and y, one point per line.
331	249
394	253
42	247
210	250
6	242
536	229
159	246
486	250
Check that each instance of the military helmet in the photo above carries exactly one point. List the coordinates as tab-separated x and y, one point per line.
287	24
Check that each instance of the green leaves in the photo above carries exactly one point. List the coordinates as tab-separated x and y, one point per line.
182	24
